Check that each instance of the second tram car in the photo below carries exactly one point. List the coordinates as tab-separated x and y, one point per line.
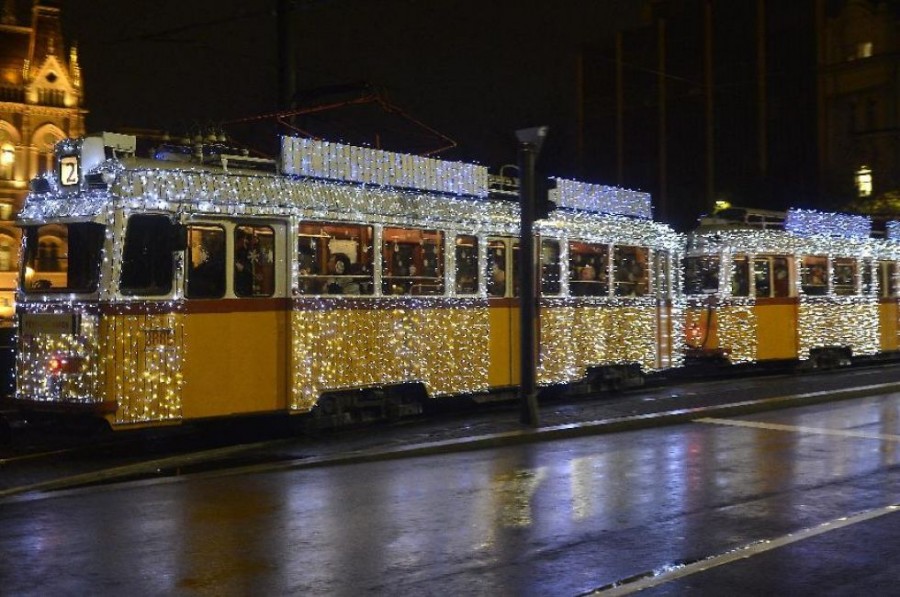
352	282
802	285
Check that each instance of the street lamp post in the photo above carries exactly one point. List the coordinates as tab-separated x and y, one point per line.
530	141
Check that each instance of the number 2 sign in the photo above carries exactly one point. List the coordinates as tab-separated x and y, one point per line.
68	170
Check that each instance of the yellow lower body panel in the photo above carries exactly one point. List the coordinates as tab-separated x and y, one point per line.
791	329
777	331
503	352
235	363
443	348
887	316
576	338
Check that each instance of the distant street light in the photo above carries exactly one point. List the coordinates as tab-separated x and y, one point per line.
530	142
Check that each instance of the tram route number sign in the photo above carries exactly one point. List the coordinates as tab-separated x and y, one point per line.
34	324
69	171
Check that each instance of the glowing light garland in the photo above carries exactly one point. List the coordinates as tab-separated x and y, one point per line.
335	161
892	230
804	222
572	194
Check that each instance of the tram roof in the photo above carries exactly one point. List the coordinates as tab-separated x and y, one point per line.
136	184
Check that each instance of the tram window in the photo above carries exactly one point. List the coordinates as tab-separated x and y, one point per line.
62	258
740	277
814	276
412	261
550	268
868	282
887	276
148	265
206	263
588	269
701	275
845	276
496	262
762	277
335	258
771	276
781	278
662	273
630	271
254	261
466	264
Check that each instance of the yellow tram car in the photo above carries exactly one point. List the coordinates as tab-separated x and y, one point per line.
802	285
197	284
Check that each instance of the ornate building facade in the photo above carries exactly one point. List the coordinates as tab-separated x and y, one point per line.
40	103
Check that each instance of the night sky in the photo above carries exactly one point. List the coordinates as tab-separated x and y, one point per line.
473	70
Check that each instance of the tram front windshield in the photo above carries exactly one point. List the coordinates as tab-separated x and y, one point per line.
62	258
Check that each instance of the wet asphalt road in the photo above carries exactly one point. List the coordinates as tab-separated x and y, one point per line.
564	517
46	460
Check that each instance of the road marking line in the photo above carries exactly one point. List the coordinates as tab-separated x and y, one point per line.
670	573
794	428
36	455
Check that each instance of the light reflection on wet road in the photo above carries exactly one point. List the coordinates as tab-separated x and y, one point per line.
558	518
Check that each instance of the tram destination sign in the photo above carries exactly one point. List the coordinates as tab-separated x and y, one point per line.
57	324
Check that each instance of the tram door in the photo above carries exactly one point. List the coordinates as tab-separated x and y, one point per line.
889	313
236	277
502	290
663	291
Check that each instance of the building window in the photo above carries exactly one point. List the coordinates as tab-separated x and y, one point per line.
864	181
8	253
864	49
7	160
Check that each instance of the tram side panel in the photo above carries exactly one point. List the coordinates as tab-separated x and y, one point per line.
235	358
776	322
503	350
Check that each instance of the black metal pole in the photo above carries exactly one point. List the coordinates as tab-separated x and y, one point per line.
529	289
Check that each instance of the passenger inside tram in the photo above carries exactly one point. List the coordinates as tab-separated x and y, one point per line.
340	282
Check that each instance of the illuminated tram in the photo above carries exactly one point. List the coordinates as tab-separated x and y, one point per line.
802	285
352	282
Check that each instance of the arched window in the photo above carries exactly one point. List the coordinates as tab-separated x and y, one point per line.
45	139
9	249
7	160
51	254
9	139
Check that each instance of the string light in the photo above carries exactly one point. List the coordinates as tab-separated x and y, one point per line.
572	194
806	222
335	161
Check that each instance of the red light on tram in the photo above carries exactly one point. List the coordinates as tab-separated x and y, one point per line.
54	365
59	364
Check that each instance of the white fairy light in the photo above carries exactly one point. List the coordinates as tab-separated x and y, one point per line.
572	194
